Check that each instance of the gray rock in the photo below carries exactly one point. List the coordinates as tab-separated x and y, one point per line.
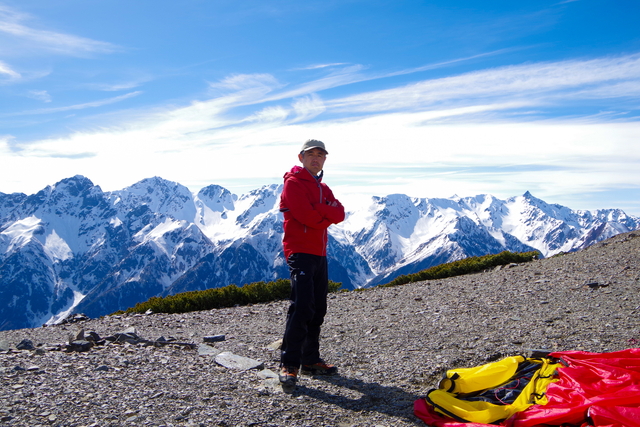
80	335
207	350
267	373
131	331
94	337
123	337
214	338
233	361
73	318
271	384
276	345
79	346
25	344
4	345
129	335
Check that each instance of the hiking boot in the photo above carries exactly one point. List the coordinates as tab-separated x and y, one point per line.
288	376
320	368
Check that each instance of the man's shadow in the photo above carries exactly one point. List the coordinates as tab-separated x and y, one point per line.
389	400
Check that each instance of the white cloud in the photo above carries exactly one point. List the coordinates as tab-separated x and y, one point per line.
450	62
319	66
308	107
341	77
432	138
114	87
6	70
92	104
241	82
40	95
270	114
531	82
11	24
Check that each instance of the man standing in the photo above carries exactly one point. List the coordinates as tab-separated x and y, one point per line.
309	208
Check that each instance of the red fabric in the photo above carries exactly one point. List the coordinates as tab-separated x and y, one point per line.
309	208
614	416
602	386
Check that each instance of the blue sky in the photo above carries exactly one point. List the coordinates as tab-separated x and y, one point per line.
425	98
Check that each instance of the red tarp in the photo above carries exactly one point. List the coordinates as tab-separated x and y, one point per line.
595	389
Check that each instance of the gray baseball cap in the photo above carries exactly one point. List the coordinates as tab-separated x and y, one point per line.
313	143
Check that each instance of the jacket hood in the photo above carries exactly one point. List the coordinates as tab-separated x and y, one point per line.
299	172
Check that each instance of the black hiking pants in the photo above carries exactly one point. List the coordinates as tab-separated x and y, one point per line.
309	287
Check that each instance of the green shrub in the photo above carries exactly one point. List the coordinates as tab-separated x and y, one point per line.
465	266
259	292
228	296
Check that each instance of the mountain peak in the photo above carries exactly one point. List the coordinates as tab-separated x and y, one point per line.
217	198
162	196
74	186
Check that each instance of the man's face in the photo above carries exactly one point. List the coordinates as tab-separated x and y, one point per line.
313	160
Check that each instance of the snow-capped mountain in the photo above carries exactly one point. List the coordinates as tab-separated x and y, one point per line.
73	247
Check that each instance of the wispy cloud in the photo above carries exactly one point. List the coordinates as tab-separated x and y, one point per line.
508	88
301	110
530	82
7	71
308	107
82	106
242	82
270	115
114	87
346	74
337	78
244	89
319	66
572	78
12	24
40	95
444	64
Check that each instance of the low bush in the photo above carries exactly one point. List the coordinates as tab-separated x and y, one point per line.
228	296
259	292
465	266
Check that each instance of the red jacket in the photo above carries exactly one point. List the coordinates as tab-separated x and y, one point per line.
309	208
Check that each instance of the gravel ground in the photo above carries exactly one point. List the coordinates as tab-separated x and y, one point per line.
391	345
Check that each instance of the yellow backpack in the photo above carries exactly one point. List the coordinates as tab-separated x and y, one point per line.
494	391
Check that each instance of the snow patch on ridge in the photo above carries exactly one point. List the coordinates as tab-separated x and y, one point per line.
58	317
20	232
56	247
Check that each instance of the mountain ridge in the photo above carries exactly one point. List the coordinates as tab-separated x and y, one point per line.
73	247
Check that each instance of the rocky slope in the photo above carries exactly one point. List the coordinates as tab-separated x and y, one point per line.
391	344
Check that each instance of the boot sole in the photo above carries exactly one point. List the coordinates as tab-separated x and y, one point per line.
318	372
288	385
